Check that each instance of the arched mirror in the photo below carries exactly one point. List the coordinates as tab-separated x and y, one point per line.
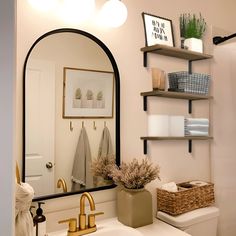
71	113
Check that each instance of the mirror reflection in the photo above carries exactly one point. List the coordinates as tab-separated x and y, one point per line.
70	114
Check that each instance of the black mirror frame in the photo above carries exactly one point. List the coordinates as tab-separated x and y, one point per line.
117	107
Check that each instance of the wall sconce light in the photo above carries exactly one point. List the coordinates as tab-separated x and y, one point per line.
43	5
113	13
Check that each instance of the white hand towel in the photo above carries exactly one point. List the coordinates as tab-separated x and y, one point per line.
23	218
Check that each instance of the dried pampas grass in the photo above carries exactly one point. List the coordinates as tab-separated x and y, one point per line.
134	175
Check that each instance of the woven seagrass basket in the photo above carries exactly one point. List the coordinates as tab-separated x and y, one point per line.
185	199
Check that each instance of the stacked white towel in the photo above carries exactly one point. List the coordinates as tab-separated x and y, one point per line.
196	127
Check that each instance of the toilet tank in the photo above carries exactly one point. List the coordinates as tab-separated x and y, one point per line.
199	222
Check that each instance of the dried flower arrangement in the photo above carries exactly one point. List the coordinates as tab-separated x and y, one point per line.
134	175
102	166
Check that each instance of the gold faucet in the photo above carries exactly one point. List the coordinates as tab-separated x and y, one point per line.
62	183
83	228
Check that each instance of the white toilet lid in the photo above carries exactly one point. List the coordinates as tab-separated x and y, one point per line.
189	218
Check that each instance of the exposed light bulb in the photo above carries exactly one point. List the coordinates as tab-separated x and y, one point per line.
76	11
43	5
113	13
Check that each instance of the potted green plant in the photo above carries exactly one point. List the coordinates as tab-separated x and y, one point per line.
100	99
192	29
134	202
89	96
77	98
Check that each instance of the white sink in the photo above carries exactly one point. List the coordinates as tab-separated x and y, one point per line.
116	231
112	227
107	228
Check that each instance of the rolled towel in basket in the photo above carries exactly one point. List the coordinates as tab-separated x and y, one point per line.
171	187
198	183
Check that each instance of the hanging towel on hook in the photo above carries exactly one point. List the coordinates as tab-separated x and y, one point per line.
23	218
105	146
81	172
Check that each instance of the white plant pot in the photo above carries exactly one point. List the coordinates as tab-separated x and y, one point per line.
100	104
77	103
194	44
89	104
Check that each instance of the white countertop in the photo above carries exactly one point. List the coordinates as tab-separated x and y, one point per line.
158	228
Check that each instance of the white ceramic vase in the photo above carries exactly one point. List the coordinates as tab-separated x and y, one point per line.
194	44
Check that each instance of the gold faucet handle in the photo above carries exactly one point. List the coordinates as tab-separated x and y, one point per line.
91	219
72	224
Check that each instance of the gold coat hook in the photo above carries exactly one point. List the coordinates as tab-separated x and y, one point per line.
71	126
94	125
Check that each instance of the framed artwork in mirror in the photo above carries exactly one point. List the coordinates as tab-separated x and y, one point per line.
88	93
158	30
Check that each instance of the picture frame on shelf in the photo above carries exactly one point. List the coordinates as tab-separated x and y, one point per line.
158	30
88	93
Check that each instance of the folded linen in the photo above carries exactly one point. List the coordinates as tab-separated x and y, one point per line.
196	127
196	121
196	133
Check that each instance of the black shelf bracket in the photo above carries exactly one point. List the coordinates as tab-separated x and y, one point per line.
145	103
190	69
145	59
189	106
190	146
144	146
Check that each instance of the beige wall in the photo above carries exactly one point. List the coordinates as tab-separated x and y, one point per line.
125	43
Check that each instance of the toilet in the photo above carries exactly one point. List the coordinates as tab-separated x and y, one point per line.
199	222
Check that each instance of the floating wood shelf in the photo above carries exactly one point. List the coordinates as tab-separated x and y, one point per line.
173	52
176	138
159	138
176	95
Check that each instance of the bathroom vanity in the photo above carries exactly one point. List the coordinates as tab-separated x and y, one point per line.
112	226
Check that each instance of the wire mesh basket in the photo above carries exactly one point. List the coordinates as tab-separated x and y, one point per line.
182	81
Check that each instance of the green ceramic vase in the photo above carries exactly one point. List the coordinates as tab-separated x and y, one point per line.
134	207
